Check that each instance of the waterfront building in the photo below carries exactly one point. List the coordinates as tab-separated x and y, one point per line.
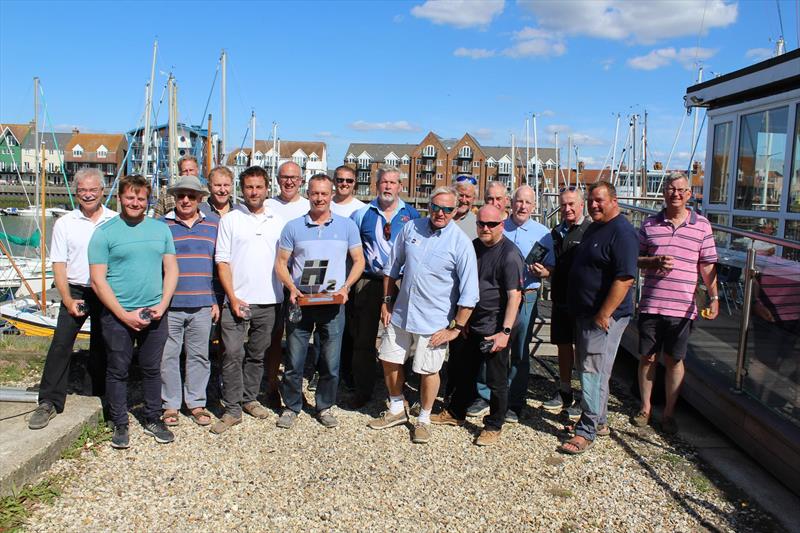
11	138
31	154
436	161
104	151
311	156
191	140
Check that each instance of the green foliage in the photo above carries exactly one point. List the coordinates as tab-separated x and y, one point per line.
14	509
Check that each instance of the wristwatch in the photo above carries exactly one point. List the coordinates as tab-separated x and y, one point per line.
712	298
455	325
387	299
506	331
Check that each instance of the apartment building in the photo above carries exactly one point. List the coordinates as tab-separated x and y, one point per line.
311	156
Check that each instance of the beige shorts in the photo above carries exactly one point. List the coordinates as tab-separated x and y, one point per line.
397	345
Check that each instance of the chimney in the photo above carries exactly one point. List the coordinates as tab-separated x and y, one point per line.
696	168
581	166
658	165
75	131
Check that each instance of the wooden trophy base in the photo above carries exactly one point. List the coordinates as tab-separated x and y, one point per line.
322	298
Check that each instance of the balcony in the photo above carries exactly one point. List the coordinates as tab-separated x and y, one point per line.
426	180
504	170
428	167
364	165
464	169
363	177
465	154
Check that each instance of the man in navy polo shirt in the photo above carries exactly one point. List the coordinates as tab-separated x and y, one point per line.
194	306
319	236
379	223
600	298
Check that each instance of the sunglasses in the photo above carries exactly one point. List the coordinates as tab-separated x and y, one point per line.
435	208
189	195
387	231
571	188
345	180
470	179
489	223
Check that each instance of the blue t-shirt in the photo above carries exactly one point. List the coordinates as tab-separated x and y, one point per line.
373	229
316	248
133	254
607	251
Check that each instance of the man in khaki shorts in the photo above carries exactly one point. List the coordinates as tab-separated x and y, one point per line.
438	291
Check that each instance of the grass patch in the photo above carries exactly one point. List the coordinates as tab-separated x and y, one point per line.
15	509
91	436
701	483
672	459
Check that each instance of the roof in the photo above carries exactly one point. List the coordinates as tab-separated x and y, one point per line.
380	151
287	149
90	142
20	131
47	137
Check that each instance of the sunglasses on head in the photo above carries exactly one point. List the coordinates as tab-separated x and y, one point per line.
571	188
435	208
470	179
345	180
488	223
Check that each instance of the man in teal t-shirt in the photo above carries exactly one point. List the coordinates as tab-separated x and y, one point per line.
134	273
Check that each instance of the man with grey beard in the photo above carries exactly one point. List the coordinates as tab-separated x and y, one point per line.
378	223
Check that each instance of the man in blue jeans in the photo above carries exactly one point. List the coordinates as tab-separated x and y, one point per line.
323	238
526	234
134	272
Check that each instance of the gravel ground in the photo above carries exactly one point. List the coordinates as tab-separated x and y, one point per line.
257	477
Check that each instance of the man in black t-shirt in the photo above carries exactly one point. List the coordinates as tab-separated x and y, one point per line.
489	328
600	298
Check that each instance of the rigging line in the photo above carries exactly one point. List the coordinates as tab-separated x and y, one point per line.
700	32
210	93
780	17
672	151
58	152
691	156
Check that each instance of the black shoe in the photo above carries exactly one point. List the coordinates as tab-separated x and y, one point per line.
159	431
42	416
120	440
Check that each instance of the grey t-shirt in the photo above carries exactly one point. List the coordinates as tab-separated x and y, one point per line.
467	225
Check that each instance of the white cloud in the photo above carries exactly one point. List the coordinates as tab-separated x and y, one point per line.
758	54
398	125
474	53
324	134
641	22
459	13
666	56
606	63
535	42
579	139
483	134
547	113
582	139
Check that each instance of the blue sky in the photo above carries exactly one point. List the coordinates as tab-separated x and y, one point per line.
386	71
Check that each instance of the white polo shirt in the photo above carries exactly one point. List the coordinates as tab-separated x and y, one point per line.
249	244
289	210
70	242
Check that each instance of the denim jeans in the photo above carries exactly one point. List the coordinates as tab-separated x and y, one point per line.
190	327
520	368
595	351
120	340
329	321
243	363
55	375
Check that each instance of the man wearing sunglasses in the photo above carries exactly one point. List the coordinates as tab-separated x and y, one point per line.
187	166
344	202
379	223
435	300
464	217
487	337
193	307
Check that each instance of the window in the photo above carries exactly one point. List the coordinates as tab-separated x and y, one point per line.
351	158
438	176
299	160
504	168
465	152
314	158
762	150
405	160
491	164
2	166
77	152
794	183
363	162
476	164
438	162
429	151
241	159
102	153
721	163
391	162
419	161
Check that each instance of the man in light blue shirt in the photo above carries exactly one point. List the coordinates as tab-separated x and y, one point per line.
325	240
526	234
436	297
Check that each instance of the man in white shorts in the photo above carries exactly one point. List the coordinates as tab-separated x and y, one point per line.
438	291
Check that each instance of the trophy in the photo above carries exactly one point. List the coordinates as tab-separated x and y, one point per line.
311	285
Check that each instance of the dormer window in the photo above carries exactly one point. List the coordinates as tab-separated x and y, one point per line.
241	159
429	151
405	160
77	151
351	158
102	152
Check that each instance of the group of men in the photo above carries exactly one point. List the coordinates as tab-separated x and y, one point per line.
456	282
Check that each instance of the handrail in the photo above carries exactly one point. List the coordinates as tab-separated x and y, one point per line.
794	245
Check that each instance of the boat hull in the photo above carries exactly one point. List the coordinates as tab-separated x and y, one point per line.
31	323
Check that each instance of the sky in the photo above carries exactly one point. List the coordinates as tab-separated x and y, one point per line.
389	72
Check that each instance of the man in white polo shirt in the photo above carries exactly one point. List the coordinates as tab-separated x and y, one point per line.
344	201
247	243
71	235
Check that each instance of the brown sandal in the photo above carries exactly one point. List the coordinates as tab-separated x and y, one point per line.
577	447
170	417
200	416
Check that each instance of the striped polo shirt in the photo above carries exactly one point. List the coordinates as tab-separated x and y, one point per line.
779	287
671	293
194	250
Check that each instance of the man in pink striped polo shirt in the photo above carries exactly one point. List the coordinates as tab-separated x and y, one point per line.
675	246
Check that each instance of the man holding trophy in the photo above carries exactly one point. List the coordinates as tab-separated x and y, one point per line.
316	247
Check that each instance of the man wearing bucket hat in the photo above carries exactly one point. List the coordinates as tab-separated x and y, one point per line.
194	307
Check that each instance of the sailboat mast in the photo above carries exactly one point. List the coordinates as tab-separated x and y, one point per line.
224	113
36	121
633	152
252	137
275	157
148	112
644	156
536	162
209	150
614	153
42	246
696	112
527	151
173	130
513	164
569	160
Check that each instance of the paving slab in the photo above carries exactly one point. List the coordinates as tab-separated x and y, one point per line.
24	454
